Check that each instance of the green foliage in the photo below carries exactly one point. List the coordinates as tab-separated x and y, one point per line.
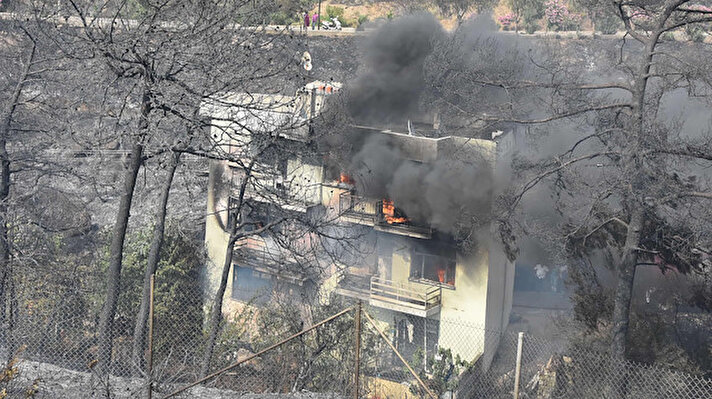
338	12
592	303
362	19
667	37
608	24
178	301
529	11
333	11
59	294
178	307
135	9
460	8
280	12
9	373
695	33
284	18
444	372
316	361
653	340
530	25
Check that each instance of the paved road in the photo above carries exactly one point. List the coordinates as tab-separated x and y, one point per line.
130	23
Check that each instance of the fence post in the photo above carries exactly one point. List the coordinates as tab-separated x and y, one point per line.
357	364
518	367
149	362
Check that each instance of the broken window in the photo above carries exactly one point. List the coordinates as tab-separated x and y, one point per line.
435	268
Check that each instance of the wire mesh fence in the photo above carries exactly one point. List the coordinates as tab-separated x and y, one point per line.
289	350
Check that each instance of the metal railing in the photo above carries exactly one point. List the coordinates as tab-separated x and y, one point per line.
354	286
411	298
356	206
370	211
257	255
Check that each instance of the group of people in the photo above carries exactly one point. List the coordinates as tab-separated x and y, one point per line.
313	19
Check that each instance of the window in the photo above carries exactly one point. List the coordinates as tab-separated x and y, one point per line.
251	285
438	269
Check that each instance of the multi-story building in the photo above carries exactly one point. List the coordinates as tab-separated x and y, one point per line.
412	277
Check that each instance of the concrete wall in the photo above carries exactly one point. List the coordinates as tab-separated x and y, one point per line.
305	181
499	300
400	261
216	238
463	310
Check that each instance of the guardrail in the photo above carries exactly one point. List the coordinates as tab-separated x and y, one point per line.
351	204
253	253
418	298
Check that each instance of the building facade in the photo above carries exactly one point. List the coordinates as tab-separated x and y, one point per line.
412	274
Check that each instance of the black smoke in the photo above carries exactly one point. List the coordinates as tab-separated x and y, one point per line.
451	194
391	82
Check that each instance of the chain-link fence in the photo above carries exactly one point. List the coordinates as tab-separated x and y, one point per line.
285	349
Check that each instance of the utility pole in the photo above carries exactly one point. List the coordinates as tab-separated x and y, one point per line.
318	17
518	364
149	393
357	349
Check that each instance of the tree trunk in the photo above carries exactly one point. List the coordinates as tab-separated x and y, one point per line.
6	307
216	310
618	375
5	327
626	271
113	278
139	335
624	286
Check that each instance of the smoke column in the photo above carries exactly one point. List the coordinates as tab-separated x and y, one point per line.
391	83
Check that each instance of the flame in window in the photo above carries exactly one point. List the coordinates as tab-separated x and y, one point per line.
346	179
389	212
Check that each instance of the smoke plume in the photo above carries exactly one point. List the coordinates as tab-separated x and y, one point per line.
452	192
451	195
391	82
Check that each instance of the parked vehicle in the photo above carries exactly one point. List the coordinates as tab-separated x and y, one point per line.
333	24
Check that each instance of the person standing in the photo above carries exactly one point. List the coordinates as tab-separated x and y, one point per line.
315	18
306	20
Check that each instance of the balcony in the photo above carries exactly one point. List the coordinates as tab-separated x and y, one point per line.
271	187
253	253
395	222
406	297
354	286
405	229
356	209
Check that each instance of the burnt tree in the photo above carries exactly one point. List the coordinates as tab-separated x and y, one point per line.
626	176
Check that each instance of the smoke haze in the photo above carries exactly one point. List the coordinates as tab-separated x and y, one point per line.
450	194
391	83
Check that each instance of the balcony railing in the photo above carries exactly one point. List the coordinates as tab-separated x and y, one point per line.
368	211
354	286
354	206
406	297
255	254
406	228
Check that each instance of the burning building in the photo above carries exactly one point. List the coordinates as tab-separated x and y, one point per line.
412	194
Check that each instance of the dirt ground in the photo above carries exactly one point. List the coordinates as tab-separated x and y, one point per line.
50	381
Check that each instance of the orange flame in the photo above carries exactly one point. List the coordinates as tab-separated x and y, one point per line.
344	178
389	212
